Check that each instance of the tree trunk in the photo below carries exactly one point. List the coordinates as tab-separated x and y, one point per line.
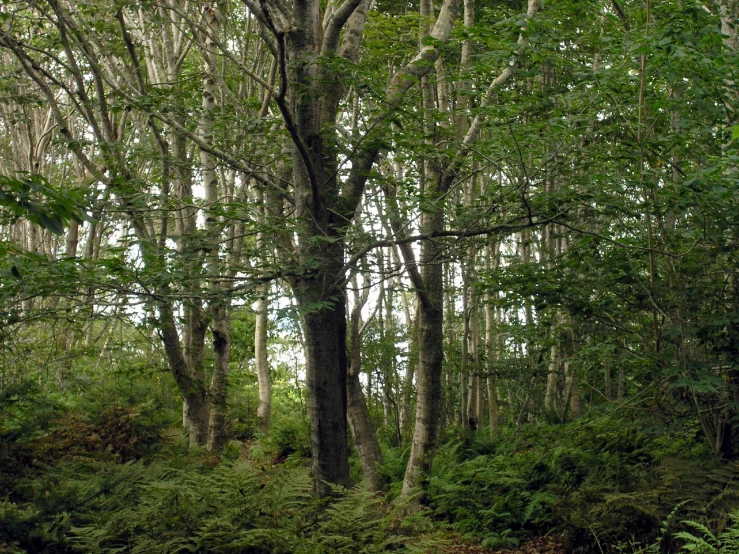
324	322
196	418
217	303
264	411
430	347
476	400
464	389
360	422
428	390
219	380
573	394
491	346
406	425
550	397
72	240
308	99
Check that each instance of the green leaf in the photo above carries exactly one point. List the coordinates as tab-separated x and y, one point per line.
52	223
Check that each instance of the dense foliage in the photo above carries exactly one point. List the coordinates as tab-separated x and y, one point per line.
356	276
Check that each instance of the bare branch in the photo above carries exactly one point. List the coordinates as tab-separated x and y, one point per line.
510	226
256	11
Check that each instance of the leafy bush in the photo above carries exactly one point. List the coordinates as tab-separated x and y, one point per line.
493	500
289	436
24	414
117	433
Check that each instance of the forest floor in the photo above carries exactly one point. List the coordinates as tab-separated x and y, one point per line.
122	478
552	544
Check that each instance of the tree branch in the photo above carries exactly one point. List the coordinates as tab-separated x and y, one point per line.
509	226
419	66
280	100
336	23
256	11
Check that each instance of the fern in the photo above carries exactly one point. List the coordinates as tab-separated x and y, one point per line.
228	509
706	542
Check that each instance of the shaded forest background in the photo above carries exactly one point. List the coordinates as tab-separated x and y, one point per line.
343	276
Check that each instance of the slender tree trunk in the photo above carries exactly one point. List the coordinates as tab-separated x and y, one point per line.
393	390
430	346
575	401
195	410
219	380
386	368
464	392
72	240
410	371
550	397
218	303
264	383
475	399
429	288
360	422
491	344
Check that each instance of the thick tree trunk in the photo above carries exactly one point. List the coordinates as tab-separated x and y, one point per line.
324	322
308	99
196	404
196	418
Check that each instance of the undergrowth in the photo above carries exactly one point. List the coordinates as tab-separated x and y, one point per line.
173	507
108	481
601	485
77	477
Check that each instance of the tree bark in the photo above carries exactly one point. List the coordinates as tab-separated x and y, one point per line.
429	287
218	393
491	344
360	422
218	303
324	322
308	99
264	383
